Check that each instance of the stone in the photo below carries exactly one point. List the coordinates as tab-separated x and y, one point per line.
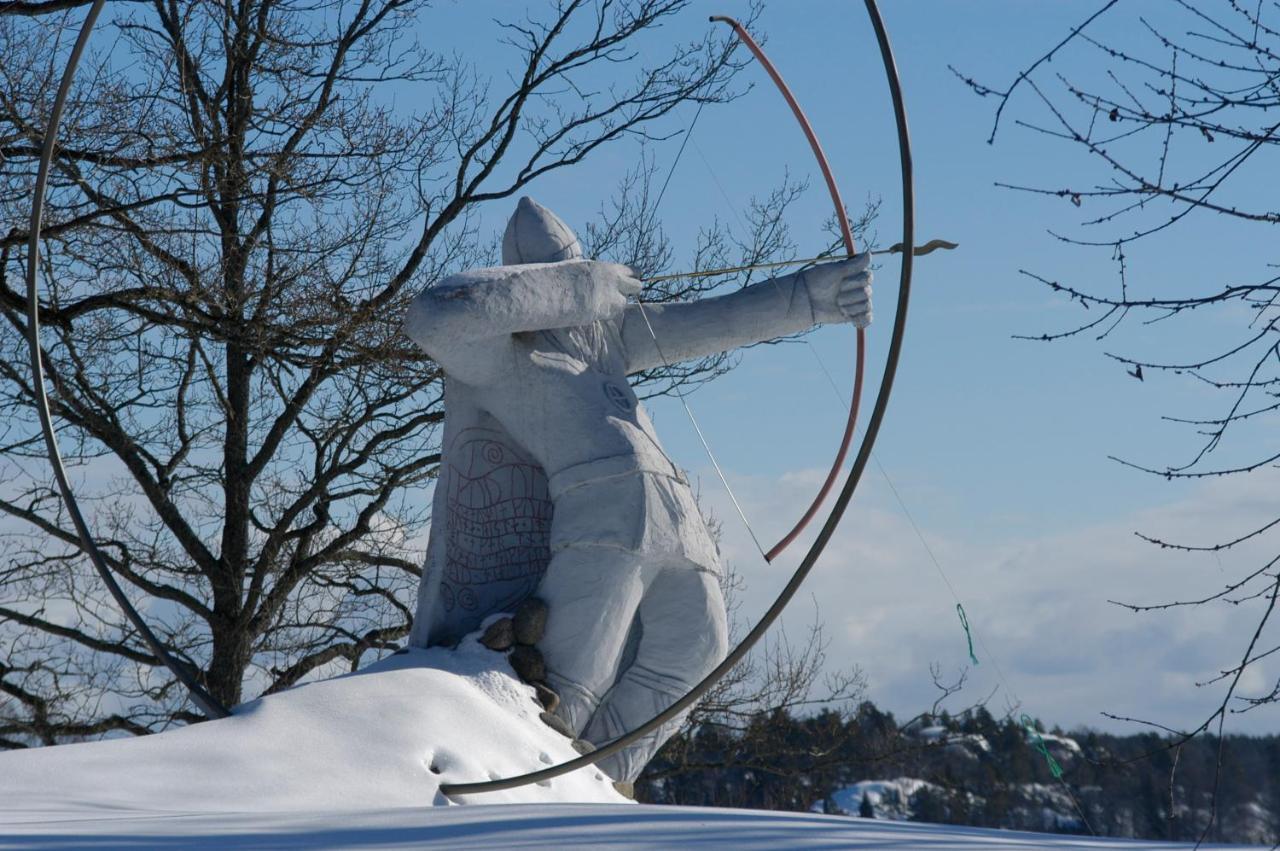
625	788
583	747
547	698
530	621
528	664
555	722
500	635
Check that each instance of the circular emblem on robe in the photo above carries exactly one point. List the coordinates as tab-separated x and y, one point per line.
493	453
619	396
467	599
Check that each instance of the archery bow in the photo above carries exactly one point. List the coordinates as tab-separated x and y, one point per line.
842	499
851	249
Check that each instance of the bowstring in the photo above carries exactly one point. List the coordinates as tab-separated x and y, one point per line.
676	388
644	314
688	134
684	403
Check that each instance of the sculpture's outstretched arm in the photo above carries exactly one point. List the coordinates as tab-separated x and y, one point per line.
465	321
790	304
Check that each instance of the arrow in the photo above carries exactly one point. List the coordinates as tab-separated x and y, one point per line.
920	251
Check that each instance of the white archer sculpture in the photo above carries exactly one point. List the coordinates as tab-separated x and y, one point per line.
553	481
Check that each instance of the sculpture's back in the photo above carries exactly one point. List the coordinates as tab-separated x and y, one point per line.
490	526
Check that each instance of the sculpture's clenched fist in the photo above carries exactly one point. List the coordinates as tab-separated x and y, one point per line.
627	282
622	283
841	290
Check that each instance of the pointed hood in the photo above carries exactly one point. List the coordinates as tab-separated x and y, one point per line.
537	235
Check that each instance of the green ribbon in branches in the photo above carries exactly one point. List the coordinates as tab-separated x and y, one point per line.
1054	768
964	622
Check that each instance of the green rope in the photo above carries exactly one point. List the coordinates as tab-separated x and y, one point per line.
964	622
1054	768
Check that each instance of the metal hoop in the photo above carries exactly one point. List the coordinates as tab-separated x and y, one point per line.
842	501
213	708
206	702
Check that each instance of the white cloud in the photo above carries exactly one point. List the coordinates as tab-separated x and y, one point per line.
1039	604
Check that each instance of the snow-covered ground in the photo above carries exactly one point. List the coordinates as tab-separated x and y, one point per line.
510	826
357	761
386	736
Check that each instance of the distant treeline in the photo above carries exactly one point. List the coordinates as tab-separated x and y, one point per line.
975	769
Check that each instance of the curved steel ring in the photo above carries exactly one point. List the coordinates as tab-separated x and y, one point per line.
207	703
842	501
212	708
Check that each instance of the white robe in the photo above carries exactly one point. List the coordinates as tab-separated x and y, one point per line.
553	480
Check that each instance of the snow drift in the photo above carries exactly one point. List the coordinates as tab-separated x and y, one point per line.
386	736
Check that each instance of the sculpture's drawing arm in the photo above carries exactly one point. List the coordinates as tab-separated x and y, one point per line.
466	321
790	304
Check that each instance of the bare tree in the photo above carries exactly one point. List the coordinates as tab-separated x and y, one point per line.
1175	107
239	213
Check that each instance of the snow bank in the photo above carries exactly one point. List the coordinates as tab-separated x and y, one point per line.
968	744
386	736
889	799
1062	744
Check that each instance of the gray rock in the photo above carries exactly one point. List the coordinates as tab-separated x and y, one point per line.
546	696
625	788
500	635
583	747
555	722
530	621
528	664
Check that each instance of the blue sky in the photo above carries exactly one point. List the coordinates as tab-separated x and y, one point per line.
998	447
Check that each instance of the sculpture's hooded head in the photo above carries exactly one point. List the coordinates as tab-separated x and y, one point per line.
537	235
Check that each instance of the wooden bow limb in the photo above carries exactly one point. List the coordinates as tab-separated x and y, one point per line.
919	251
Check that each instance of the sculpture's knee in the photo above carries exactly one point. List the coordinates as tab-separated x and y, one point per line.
719	639
711	645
